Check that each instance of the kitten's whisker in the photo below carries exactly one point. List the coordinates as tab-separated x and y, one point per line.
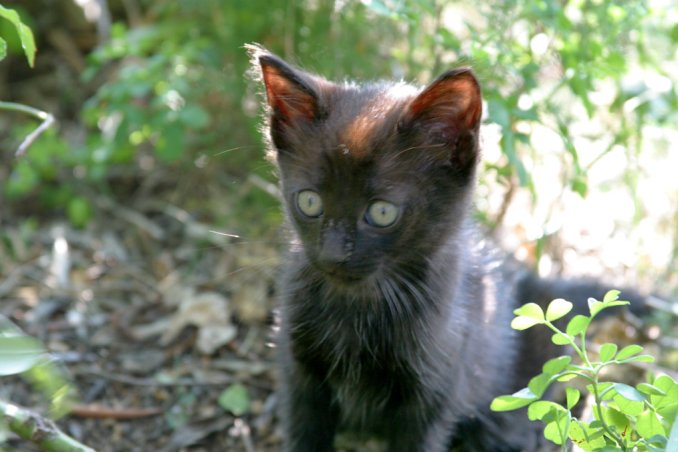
226	234
237	148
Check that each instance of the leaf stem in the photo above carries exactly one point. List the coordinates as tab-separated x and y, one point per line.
599	403
46	118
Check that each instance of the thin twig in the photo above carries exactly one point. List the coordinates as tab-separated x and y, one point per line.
37	429
46	118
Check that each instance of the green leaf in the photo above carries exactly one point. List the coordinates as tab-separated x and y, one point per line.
555	365
611	295
615	417
522	323
607	352
531	310
585	437
79	212
557	309
577	325
567	377
628	392
235	399
538	410
667	406
629	407
539	384
572	395
3	49
25	33
557	429
629	351
595	306
649	389
512	402
561	339
649	425
672	443
19	353
638	359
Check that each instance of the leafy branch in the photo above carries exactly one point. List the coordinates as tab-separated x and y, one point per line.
35	428
626	418
46	118
28	45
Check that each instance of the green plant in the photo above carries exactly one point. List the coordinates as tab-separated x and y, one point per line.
626	418
27	41
24	355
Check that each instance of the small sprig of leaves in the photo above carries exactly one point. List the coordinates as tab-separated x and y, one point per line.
625	418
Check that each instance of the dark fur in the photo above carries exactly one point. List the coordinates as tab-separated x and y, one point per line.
401	332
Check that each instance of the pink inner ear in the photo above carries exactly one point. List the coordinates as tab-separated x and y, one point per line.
453	100
288	100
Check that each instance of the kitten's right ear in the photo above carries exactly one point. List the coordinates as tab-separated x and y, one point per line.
289	92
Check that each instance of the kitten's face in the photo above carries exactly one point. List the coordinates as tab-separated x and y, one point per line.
374	177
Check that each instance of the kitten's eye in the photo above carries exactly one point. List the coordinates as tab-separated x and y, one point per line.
382	214
309	203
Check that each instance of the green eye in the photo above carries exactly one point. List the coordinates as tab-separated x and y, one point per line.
310	203
382	214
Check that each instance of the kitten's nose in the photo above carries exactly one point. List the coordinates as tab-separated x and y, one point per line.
335	247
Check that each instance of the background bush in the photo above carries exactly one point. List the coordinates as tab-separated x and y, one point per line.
162	90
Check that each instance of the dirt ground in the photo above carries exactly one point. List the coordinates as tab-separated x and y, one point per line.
149	334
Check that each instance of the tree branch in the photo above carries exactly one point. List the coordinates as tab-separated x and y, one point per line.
46	118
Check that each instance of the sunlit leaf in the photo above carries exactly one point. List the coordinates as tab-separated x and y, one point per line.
628	392
555	365
577	325
607	351
649	389
611	295
25	33
539	384
572	396
531	310
539	409
557	309
649	425
629	351
512	402
19	353
560	339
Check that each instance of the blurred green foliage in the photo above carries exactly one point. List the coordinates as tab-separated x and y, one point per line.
174	87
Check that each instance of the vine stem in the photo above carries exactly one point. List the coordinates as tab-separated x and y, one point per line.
607	429
46	118
594	380
41	431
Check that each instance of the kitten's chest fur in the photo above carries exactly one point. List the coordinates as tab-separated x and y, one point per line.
398	345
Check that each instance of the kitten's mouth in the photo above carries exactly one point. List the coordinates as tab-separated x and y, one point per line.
344	277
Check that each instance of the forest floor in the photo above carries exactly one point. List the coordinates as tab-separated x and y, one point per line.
151	316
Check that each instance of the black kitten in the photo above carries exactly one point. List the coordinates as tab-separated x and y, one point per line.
395	313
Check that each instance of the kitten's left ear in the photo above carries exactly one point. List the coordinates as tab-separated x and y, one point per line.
448	112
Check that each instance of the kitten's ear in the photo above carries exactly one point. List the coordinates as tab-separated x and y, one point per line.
446	115
452	101
289	91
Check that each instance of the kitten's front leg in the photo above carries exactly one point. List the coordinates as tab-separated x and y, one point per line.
308	417
421	429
